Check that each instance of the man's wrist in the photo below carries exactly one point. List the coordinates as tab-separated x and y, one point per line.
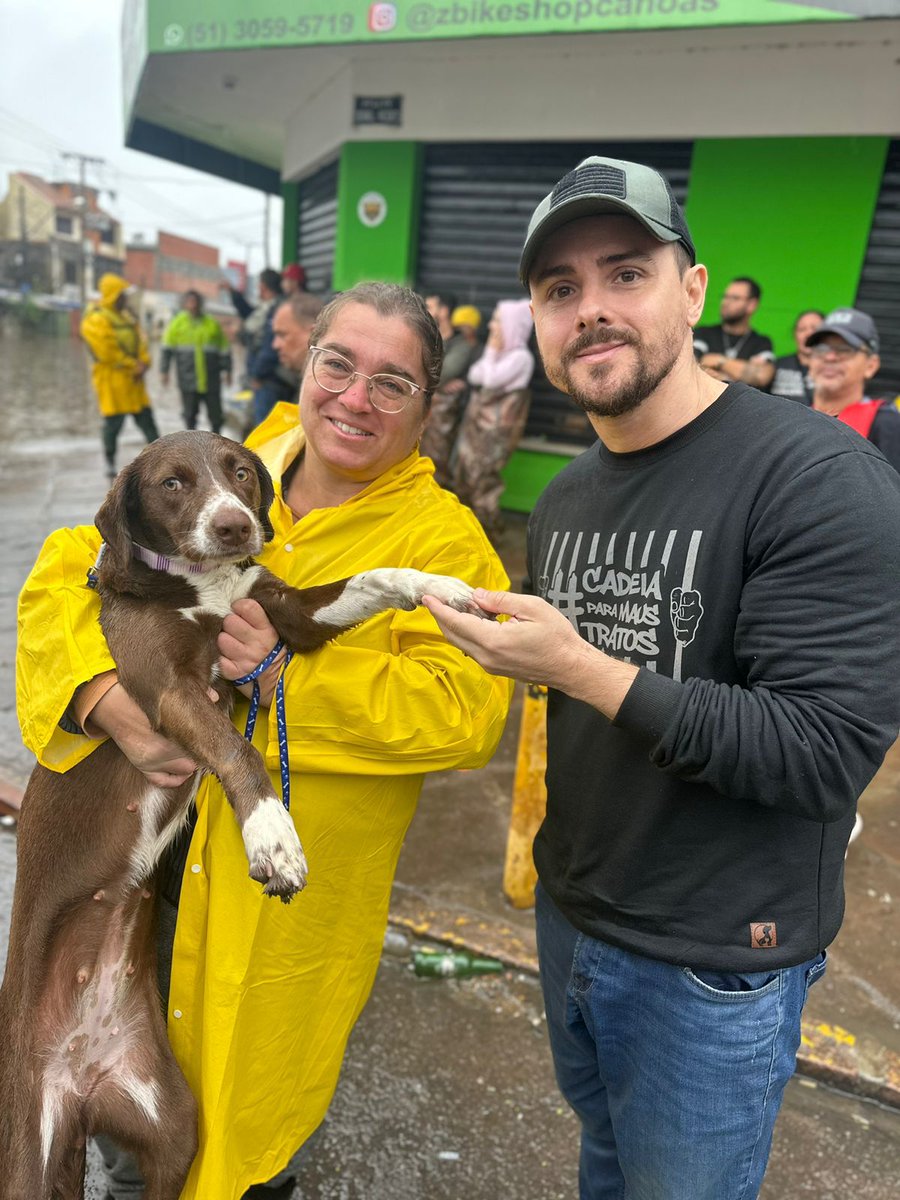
596	678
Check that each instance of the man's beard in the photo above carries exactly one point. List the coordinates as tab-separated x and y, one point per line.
735	318
649	372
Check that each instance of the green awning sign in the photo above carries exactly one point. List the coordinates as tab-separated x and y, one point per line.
191	25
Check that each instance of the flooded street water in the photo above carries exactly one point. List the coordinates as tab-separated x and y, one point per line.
51	474
45	384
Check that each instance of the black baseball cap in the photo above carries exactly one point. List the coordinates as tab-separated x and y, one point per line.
607	185
855	327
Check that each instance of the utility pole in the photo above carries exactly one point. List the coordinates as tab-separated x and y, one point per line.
23	273
83	161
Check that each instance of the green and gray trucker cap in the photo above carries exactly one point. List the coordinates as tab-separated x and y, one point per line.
607	185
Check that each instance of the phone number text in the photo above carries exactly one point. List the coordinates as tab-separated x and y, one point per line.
267	29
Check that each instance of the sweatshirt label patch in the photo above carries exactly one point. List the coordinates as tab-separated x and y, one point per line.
763	935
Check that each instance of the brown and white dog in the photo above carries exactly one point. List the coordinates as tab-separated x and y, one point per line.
84	1047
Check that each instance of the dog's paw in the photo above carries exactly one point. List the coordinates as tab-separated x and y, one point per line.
406	587
274	852
453	592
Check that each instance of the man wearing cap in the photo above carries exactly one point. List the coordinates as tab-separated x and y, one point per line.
716	621
843	358
448	402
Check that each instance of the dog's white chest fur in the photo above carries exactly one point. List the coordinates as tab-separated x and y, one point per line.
217	591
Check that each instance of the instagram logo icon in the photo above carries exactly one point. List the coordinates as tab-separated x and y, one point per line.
382	17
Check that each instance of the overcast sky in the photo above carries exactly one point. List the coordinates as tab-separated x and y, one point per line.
60	90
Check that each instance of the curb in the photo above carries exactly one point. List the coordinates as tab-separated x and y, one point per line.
828	1053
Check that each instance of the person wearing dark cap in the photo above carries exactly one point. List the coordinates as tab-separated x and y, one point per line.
843	358
716	619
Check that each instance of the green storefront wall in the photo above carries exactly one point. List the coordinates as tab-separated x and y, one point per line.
793	213
378	212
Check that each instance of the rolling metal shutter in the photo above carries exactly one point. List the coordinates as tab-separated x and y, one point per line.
476	202
317	219
879	283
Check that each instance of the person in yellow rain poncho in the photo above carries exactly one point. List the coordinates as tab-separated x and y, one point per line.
263	997
121	358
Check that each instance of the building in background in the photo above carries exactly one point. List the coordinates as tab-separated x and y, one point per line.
162	271
411	141
55	238
173	265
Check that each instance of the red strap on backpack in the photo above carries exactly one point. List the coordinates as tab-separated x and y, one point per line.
860	416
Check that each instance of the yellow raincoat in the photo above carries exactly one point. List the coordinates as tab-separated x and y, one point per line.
263	995
117	346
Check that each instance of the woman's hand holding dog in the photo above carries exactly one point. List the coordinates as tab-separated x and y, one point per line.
247	637
164	763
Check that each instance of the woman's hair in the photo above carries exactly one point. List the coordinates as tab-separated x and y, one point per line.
392	300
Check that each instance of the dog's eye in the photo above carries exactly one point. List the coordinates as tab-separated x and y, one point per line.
242	474
172	484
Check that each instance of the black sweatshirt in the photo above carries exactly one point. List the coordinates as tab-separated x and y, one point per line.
749	565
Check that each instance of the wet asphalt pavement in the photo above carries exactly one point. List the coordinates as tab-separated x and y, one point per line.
447	1091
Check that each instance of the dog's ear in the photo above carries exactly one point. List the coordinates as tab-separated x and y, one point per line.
266	495
112	518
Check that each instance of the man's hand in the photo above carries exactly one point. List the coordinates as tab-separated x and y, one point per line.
536	645
247	637
164	763
714	364
140	370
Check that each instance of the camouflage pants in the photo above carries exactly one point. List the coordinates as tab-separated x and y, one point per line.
439	438
491	428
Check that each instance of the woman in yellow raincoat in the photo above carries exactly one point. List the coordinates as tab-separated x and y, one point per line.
263	996
121	358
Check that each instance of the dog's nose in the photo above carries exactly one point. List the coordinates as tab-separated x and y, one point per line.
232	527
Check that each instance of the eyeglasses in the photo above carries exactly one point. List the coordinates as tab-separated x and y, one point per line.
823	350
334	373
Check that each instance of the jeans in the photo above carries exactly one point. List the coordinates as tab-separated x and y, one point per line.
676	1075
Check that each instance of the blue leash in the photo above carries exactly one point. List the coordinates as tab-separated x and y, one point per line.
283	759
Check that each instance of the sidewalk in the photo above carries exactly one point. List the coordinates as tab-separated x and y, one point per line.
449	882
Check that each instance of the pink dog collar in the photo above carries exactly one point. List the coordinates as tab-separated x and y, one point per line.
172	566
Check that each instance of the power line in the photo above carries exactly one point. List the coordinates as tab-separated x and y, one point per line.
133	186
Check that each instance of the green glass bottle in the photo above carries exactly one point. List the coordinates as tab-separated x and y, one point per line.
457	963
